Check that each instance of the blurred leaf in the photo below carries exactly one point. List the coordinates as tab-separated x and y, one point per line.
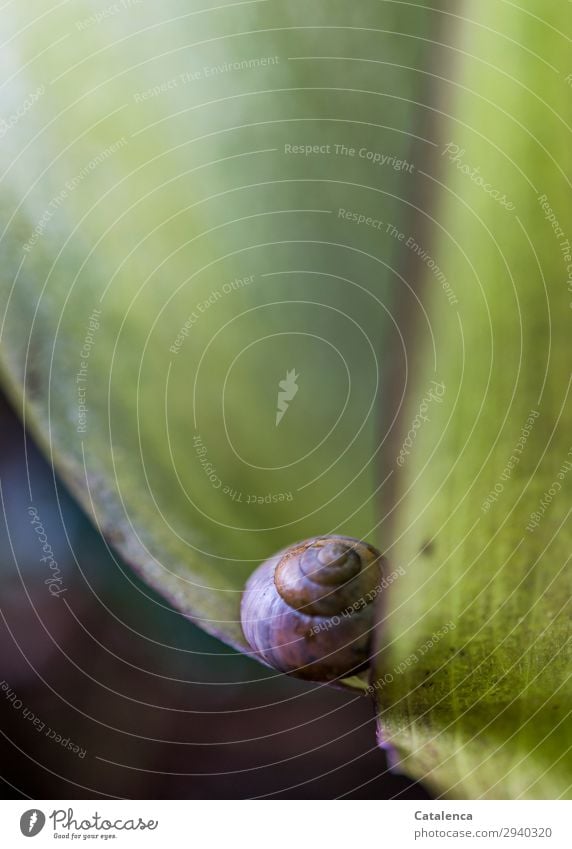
175	190
154	201
483	530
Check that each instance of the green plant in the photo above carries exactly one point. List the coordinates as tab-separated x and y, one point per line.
197	204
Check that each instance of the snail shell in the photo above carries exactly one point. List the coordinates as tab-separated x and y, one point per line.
309	612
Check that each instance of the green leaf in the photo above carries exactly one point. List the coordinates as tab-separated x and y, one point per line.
482	709
146	177
173	180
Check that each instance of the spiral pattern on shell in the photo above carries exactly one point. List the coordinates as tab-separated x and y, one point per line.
308	611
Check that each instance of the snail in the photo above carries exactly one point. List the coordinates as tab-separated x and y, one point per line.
309	612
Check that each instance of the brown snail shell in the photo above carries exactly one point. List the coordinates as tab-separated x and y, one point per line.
309	611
